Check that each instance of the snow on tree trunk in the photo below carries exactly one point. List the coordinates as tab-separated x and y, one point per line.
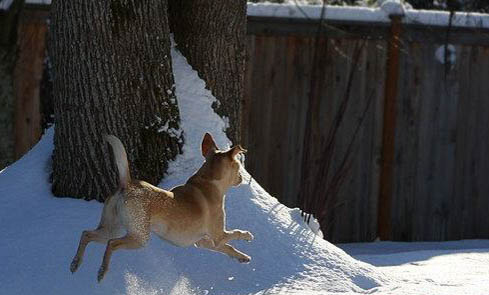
112	75
211	34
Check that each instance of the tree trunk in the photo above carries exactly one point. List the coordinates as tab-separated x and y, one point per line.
112	75
8	57
211	34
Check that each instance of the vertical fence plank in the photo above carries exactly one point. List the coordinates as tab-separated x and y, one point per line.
376	81
409	97
467	144
248	91
290	150
388	149
479	158
252	93
483	144
278	115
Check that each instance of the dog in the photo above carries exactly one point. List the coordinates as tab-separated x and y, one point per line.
190	214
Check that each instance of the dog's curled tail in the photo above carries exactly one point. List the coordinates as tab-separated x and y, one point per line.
120	157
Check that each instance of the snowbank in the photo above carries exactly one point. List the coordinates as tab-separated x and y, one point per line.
40	233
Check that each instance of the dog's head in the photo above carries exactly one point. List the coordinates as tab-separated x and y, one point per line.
221	165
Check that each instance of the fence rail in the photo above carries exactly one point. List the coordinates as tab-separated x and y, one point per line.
440	162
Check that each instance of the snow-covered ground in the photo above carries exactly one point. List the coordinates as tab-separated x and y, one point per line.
39	235
456	267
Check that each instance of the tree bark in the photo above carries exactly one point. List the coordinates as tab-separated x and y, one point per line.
112	75
211	34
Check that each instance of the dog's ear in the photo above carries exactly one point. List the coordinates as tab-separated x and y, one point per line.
208	145
236	150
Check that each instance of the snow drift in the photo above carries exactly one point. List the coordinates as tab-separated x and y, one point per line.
40	233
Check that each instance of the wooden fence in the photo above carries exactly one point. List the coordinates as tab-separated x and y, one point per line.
438	186
419	170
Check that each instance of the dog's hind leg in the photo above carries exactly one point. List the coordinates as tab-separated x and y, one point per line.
129	241
100	235
108	228
137	223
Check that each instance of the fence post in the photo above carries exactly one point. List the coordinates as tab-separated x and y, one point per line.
28	73
384	224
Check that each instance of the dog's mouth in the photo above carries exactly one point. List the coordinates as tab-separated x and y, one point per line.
239	179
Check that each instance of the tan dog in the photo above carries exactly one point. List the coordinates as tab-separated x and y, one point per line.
189	214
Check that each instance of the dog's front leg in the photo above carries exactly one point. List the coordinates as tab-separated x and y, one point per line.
233	252
224	248
236	234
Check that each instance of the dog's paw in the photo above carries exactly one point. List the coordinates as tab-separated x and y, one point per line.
244	259
247	236
101	273
75	264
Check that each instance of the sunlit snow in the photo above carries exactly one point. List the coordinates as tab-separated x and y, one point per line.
40	234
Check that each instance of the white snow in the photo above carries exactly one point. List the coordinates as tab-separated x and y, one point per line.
457	267
392	7
441	18
315	227
38	1
346	13
5	4
451	54
40	233
365	14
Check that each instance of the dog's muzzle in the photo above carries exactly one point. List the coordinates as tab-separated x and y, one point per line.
239	180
